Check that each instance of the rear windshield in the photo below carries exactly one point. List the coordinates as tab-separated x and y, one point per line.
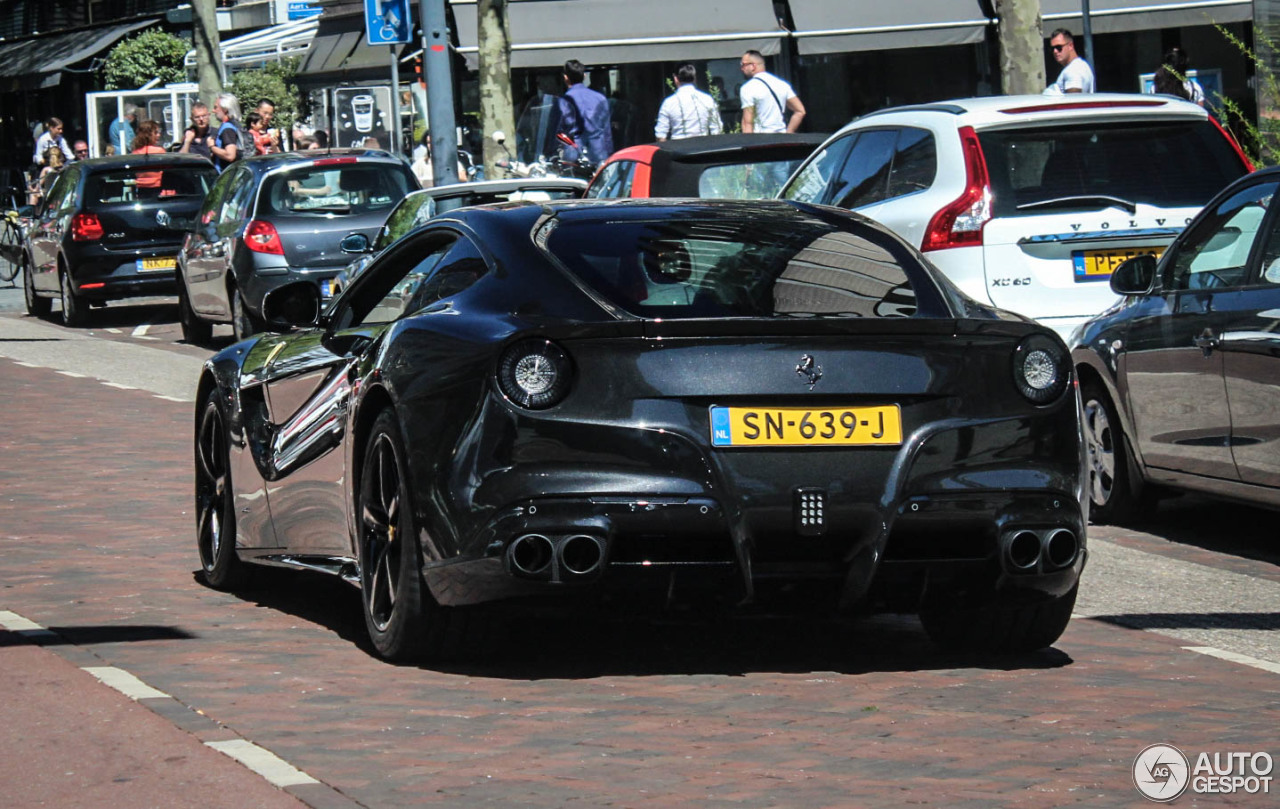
1168	164
132	185
733	267
350	189
746	180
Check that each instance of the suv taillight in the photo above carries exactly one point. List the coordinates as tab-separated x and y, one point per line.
261	237
86	227
960	223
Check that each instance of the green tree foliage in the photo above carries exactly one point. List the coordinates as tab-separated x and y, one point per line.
149	55
275	83
1260	141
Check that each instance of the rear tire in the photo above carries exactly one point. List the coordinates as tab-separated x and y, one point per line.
10	249
1113	497
1001	625
194	330
403	620
36	305
215	500
75	312
243	323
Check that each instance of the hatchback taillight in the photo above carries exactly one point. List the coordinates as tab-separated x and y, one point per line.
261	237
86	227
960	223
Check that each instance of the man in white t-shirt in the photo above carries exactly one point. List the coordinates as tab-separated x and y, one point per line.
765	97
1076	75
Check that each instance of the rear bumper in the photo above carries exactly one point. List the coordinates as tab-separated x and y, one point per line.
105	276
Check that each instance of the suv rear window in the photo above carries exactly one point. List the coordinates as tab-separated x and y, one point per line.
728	266
1168	164
355	188
130	185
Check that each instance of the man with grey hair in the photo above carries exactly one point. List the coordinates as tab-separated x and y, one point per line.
225	146
120	133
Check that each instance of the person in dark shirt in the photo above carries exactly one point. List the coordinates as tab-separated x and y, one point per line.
584	116
195	138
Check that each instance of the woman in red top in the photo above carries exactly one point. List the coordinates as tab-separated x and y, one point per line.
147	141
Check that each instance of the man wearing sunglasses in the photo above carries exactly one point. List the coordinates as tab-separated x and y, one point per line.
1076	75
81	149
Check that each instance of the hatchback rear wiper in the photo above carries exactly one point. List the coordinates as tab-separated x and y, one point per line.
1073	202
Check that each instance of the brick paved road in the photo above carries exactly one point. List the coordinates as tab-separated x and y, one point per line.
96	542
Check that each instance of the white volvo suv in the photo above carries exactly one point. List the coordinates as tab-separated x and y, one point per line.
1028	202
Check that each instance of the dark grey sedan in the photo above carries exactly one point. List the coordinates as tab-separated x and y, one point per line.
278	219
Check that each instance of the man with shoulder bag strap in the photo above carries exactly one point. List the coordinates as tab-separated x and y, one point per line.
766	99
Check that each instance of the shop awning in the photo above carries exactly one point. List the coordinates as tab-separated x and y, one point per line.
266	44
32	64
839	26
1116	16
339	53
547	33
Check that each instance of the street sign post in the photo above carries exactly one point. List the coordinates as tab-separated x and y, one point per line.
387	22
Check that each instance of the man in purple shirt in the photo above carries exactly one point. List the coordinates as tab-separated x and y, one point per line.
584	116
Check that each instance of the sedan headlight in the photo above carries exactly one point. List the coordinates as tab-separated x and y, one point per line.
1040	369
534	374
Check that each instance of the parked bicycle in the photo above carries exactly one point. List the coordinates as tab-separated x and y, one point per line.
11	236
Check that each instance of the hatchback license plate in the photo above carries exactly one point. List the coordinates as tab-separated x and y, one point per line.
157	264
805	427
1097	265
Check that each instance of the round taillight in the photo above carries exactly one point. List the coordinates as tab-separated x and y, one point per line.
1040	369
534	374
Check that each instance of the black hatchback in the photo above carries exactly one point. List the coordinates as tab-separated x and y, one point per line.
277	219
110	228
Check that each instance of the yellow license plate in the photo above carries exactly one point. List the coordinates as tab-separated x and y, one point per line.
1097	265
154	264
806	427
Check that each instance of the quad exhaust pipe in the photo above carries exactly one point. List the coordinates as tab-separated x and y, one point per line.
1028	550
556	558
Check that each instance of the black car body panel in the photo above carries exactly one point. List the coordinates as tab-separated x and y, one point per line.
1188	366
126	242
627	457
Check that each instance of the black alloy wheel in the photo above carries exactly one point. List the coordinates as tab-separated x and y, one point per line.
404	621
36	305
75	312
194	330
215	505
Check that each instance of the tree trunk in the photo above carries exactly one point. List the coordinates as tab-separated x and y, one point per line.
1021	47
208	47
497	112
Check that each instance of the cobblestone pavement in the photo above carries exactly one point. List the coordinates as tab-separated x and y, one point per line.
96	533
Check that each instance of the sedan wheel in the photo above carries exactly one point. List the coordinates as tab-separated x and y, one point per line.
1112	498
74	310
36	305
215	506
403	620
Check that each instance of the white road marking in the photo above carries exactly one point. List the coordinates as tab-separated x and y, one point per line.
262	761
118	385
141	331
14	622
74	375
125	683
1243	660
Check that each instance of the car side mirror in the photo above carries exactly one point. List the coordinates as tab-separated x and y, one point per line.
1135	276
292	305
355	243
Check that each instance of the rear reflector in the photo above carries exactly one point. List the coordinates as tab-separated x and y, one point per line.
98	285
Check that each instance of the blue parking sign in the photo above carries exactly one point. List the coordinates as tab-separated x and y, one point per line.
387	22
